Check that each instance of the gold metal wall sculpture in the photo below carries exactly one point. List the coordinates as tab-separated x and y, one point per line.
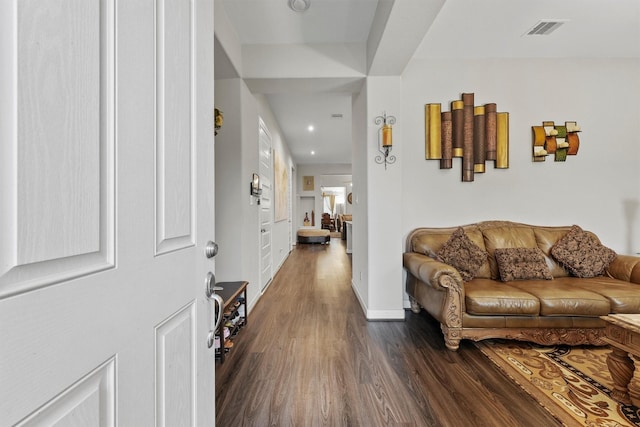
502	141
559	140
476	134
433	131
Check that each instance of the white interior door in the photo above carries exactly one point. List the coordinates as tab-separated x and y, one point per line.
266	203
106	195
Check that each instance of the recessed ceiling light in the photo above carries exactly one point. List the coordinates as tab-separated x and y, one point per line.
299	5
310	128
313	153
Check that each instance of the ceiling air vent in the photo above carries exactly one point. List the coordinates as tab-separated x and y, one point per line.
545	27
336	116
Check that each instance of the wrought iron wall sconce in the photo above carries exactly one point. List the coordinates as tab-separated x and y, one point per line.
476	134
559	140
255	188
385	140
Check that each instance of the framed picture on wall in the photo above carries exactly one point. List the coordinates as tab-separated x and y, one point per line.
307	183
281	211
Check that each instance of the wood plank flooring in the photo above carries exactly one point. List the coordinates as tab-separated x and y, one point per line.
308	357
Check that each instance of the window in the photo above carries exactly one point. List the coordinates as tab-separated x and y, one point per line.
333	199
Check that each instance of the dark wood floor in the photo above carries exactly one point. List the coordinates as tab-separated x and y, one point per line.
308	357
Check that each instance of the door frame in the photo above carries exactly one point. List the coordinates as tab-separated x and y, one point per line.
263	286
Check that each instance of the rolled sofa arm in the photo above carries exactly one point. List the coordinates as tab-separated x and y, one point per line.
438	289
432	272
625	267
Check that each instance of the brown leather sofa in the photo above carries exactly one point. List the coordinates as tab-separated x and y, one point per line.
553	306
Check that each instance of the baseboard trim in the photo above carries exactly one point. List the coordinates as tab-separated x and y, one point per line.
362	304
385	315
373	315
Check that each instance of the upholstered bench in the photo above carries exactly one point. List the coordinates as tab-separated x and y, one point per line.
313	235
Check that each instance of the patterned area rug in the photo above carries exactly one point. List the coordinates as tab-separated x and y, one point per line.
573	383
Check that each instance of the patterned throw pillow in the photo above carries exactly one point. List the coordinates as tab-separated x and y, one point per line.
581	253
521	264
462	254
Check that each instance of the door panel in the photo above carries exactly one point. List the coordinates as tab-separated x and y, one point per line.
174	153
106	209
176	369
61	106
57	147
89	402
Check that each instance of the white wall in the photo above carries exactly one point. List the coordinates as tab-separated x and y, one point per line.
237	213
384	199
237	229
360	247
590	189
229	180
281	231
322	169
343	60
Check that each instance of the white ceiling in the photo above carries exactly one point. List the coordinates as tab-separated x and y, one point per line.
326	21
497	28
331	137
459	29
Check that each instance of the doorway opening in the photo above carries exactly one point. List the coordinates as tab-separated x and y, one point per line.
334	204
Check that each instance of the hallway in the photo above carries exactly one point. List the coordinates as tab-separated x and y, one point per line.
308	357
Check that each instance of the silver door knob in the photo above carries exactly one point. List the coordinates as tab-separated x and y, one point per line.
211	249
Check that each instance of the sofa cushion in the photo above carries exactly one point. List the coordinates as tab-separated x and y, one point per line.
564	298
508	235
624	297
430	241
521	264
582	254
460	252
546	237
488	297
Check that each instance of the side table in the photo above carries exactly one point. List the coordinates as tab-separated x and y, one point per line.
622	332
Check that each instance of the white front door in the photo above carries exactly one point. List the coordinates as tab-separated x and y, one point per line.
266	203
106	204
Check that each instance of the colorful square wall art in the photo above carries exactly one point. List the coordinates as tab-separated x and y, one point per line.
557	140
